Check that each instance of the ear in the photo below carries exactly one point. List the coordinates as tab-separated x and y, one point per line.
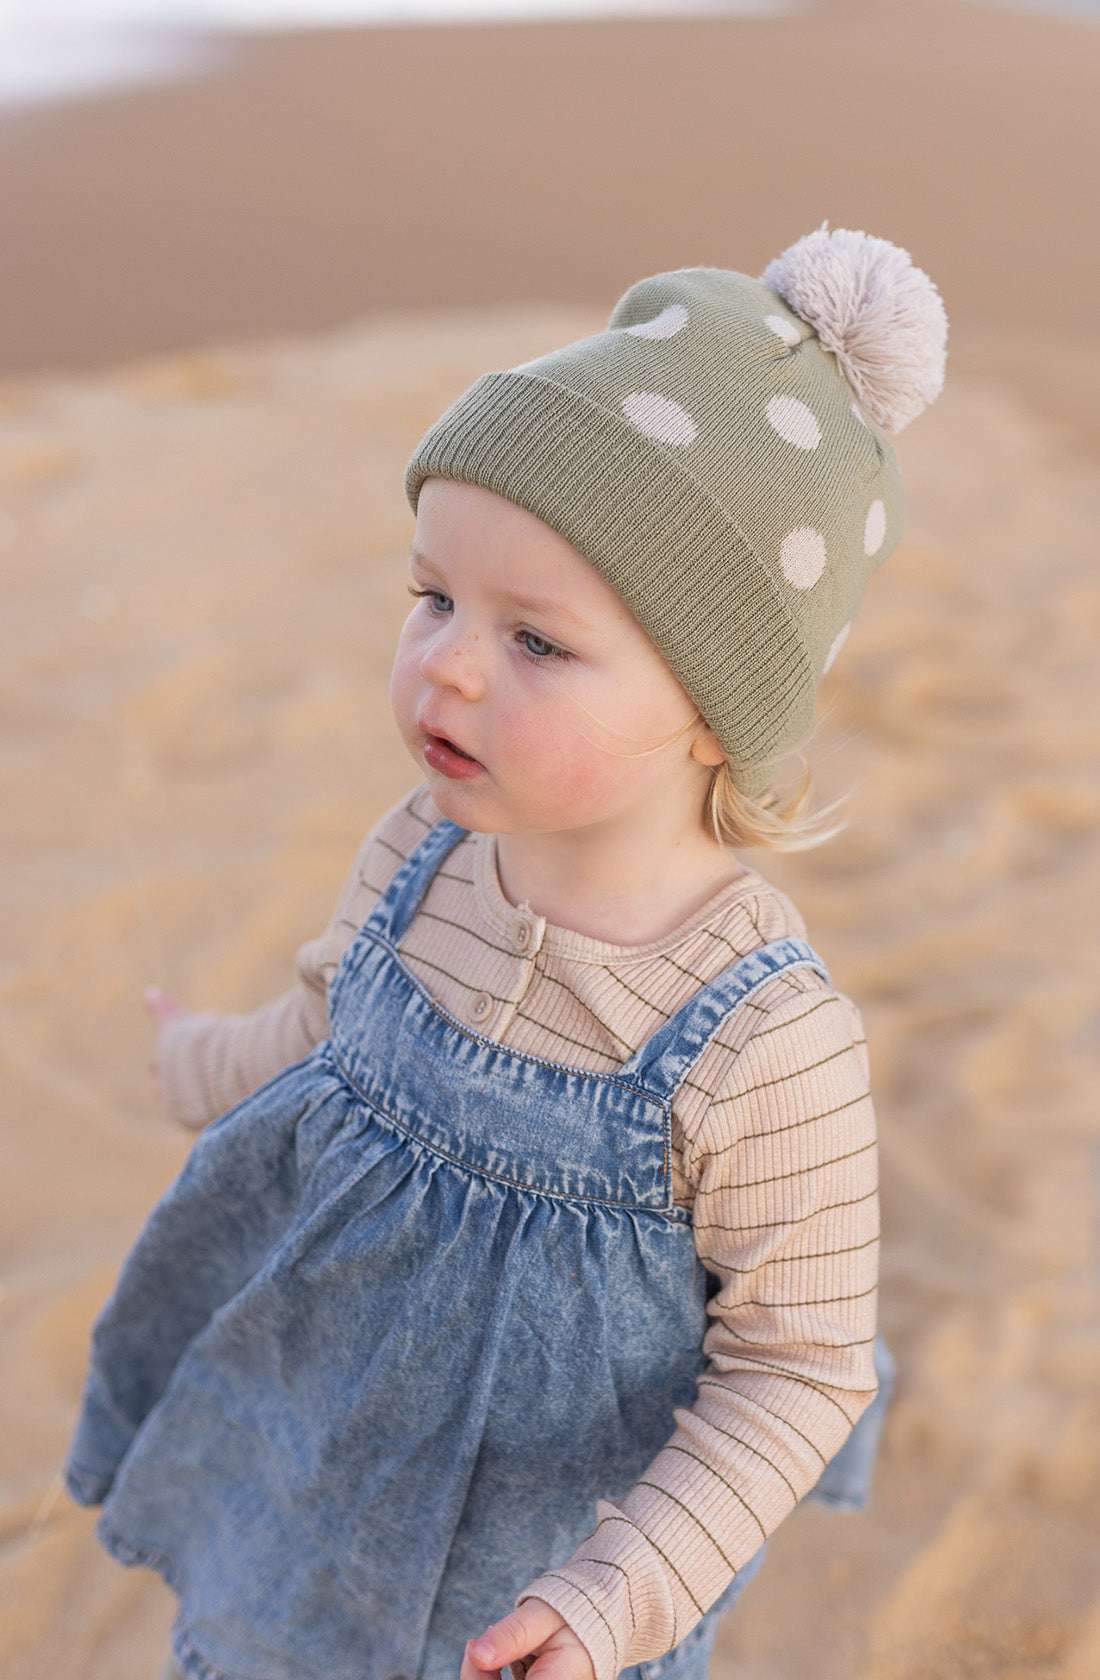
705	748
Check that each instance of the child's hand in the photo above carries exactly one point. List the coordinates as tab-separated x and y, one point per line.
533	1637
162	1006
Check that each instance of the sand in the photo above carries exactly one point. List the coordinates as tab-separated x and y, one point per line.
202	572
200	567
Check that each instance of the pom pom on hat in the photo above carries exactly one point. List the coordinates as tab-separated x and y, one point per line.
879	314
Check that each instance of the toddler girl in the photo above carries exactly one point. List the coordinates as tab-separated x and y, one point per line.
545	1277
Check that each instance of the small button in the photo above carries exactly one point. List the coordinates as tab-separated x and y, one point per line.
481	1007
523	936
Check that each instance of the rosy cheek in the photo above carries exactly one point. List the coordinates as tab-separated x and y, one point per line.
567	765
403	681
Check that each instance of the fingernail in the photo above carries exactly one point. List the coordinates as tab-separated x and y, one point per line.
482	1650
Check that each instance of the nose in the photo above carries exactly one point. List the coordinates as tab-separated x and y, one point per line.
451	660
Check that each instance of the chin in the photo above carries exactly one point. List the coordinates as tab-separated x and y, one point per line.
458	806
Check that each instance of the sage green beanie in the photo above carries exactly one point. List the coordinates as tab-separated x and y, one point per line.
720	455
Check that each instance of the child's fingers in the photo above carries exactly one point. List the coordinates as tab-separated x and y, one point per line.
517	1635
475	1670
560	1662
161	1005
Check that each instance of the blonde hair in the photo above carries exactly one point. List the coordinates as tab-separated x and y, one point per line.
778	821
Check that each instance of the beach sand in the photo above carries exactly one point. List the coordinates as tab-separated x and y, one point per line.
203	578
201	564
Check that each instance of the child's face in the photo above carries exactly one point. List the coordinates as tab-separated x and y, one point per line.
523	686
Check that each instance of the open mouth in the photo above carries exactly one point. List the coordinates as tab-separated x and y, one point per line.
450	759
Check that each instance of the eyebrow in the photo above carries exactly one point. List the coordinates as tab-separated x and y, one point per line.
536	604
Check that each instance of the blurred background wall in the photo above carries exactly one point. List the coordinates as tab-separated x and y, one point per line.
283	182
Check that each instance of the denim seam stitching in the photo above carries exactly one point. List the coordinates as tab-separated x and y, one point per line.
710	1033
647	1095
676	1215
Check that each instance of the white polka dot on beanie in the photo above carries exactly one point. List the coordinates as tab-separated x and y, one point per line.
793	421
802	555
720	453
665	325
783	327
874	527
659	418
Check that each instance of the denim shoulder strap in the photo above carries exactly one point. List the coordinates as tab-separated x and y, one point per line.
402	898
670	1053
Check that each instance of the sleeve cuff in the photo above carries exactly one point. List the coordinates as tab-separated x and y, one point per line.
584	1615
184	1046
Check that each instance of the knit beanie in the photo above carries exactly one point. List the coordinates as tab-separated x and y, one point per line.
720	455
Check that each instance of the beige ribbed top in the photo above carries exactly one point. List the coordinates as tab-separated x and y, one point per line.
773	1136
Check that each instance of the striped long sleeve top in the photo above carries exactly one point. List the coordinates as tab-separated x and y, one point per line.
773	1151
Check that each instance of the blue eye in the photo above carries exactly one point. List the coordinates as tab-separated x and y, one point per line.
440	603
537	647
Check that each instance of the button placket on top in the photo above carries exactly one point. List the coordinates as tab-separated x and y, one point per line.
526	940
486	1011
498	985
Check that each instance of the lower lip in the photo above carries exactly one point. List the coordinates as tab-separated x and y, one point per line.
440	755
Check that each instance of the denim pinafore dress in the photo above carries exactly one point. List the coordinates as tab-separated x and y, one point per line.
359	1384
